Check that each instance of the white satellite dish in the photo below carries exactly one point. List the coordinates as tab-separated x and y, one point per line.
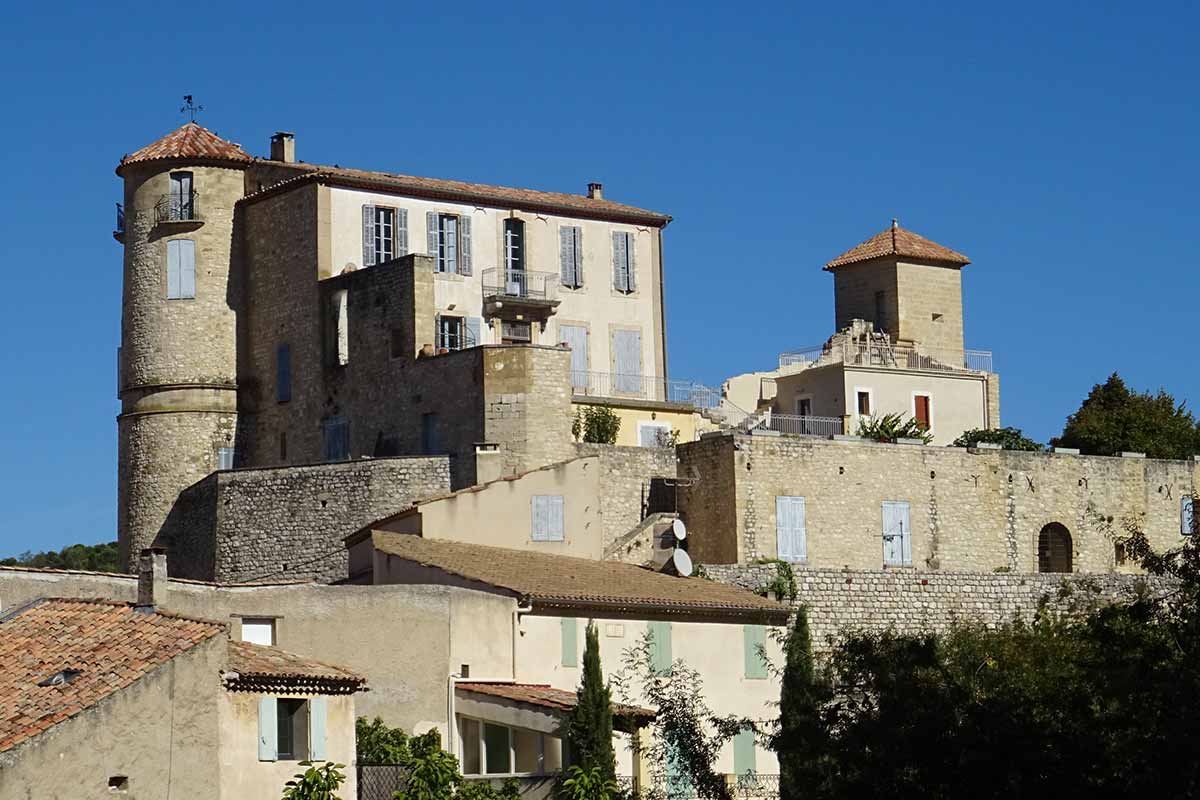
680	530
682	562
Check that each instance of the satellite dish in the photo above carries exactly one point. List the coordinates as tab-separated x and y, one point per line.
682	563
680	530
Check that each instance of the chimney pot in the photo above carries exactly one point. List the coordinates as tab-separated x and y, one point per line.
283	147
596	191
152	578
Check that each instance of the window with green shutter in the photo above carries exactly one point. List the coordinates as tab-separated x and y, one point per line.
744	752
570	641
754	639
660	647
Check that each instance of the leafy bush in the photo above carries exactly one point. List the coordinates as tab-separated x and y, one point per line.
891	427
1010	438
1113	420
94	557
432	772
591	784
316	782
378	744
783	585
600	424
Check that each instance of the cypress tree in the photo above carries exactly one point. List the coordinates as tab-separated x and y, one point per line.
798	741
590	727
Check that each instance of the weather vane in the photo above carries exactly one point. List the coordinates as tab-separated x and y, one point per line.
190	107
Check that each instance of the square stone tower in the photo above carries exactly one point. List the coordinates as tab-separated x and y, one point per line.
909	286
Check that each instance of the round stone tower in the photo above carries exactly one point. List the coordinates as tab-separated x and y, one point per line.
178	359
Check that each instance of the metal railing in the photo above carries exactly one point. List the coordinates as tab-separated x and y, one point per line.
643	387
889	355
794	425
176	207
520	283
455	341
120	219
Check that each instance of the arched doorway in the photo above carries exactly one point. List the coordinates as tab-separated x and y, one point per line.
1054	548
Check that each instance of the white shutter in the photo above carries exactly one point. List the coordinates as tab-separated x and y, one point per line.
620	273
464	245
897	535
431	236
566	259
791	539
268	729
474	328
368	235
631	262
576	337
187	268
173	269
547	512
317	714
627	361
401	232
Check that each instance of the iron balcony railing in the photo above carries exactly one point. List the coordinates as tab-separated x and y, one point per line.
178	207
643	387
120	219
447	340
520	283
794	425
889	355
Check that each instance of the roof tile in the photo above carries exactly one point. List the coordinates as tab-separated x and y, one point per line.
896	241
190	141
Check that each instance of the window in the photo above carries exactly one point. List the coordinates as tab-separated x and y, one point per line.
385	234
258	630
1119	556
922	411
570	255
897	537
804	406
335	438
937	317
1187	516
576	338
181	269
430	444
863	402
182	200
514	247
570	641
457	333
224	458
470	749
547	512
496	756
754	639
283	373
624	262
1055	549
516	333
489	748
654	434
448	239
660	647
743	752
291	729
627	362
791	537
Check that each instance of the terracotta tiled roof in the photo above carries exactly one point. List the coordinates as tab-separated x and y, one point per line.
896	241
110	644
257	667
544	696
461	191
567	582
191	142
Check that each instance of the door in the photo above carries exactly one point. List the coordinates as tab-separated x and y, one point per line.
576	337
897	535
627	362
514	257
181	195
791	538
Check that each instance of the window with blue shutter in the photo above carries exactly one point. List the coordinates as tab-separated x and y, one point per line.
474	336
576	337
181	269
547	523
283	373
317	720
335	433
754	639
897	534
224	458
624	265
627	362
268	729
570	641
1187	516
464	246
791	534
570	255
660	647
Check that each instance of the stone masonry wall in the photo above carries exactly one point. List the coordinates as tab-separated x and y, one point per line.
625	477
913	602
974	510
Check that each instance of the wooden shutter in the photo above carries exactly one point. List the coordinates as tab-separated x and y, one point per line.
401	232
660	647
431	236
631	262
464	245
566	259
187	268
627	361
368	228
897	539
570	641
620	262
791	536
576	337
754	639
547	513
743	752
648	435
173	269
474	328
283	373
268	729
317	716
921	410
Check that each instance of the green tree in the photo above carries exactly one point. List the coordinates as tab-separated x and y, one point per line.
1010	438
590	726
432	772
92	557
590	784
600	424
1113	419
799	737
379	744
316	783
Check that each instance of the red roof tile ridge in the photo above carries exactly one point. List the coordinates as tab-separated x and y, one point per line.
898	241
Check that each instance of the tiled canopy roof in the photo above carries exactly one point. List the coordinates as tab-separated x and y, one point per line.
896	241
191	142
257	667
566	582
543	696
103	647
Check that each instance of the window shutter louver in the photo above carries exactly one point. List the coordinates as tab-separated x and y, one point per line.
431	235
317	716
660	647
368	249
268	729
619	273
474	332
631	263
464	245
570	641
172	269
401	232
187	268
566	260
791	538
578	249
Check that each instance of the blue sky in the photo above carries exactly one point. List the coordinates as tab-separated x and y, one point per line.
1055	144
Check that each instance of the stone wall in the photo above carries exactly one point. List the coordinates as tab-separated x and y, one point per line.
908	601
288	523
626	475
975	510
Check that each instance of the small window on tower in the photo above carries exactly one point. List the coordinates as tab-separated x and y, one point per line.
937	317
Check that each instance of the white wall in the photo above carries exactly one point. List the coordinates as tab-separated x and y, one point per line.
597	305
958	401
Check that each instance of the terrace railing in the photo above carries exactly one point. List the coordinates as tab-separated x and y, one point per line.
177	207
891	355
643	387
520	284
120	219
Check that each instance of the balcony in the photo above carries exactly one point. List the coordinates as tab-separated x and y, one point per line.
888	355
119	230
793	425
520	293
176	208
643	387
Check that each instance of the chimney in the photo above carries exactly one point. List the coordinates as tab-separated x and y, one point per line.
152	579
283	147
596	191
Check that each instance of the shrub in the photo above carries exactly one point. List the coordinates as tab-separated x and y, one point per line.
1010	438
891	427
316	782
600	425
